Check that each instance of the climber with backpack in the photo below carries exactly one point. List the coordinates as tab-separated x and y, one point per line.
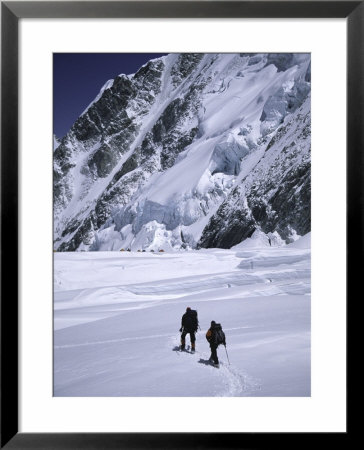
189	326
215	336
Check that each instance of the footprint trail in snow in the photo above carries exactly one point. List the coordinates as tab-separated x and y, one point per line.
232	381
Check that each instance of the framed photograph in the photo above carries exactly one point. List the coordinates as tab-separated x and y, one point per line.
178	216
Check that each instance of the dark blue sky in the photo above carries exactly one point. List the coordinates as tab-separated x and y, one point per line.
78	78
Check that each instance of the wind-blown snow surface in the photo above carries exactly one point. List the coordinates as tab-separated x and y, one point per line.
194	150
117	315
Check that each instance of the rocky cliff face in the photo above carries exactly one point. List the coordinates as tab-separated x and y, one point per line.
274	196
194	150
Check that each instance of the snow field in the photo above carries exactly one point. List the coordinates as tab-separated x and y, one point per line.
117	316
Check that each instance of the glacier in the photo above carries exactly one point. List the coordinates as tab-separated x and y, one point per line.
192	151
117	316
187	183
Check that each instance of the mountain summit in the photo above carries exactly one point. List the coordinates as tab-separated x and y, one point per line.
192	151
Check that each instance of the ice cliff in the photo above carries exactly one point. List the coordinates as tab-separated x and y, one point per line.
193	150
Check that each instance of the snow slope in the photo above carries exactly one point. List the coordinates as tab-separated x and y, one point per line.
117	315
154	158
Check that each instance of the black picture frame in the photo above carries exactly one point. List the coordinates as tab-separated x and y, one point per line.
11	12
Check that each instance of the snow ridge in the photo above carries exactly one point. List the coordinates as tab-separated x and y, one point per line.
192	151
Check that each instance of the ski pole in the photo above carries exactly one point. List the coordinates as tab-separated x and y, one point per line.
227	354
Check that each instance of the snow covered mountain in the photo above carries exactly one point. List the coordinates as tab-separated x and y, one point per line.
56	142
192	151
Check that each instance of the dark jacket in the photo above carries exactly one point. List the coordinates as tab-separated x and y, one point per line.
211	335
189	321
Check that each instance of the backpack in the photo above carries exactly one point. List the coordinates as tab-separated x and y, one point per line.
194	318
190	320
219	335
